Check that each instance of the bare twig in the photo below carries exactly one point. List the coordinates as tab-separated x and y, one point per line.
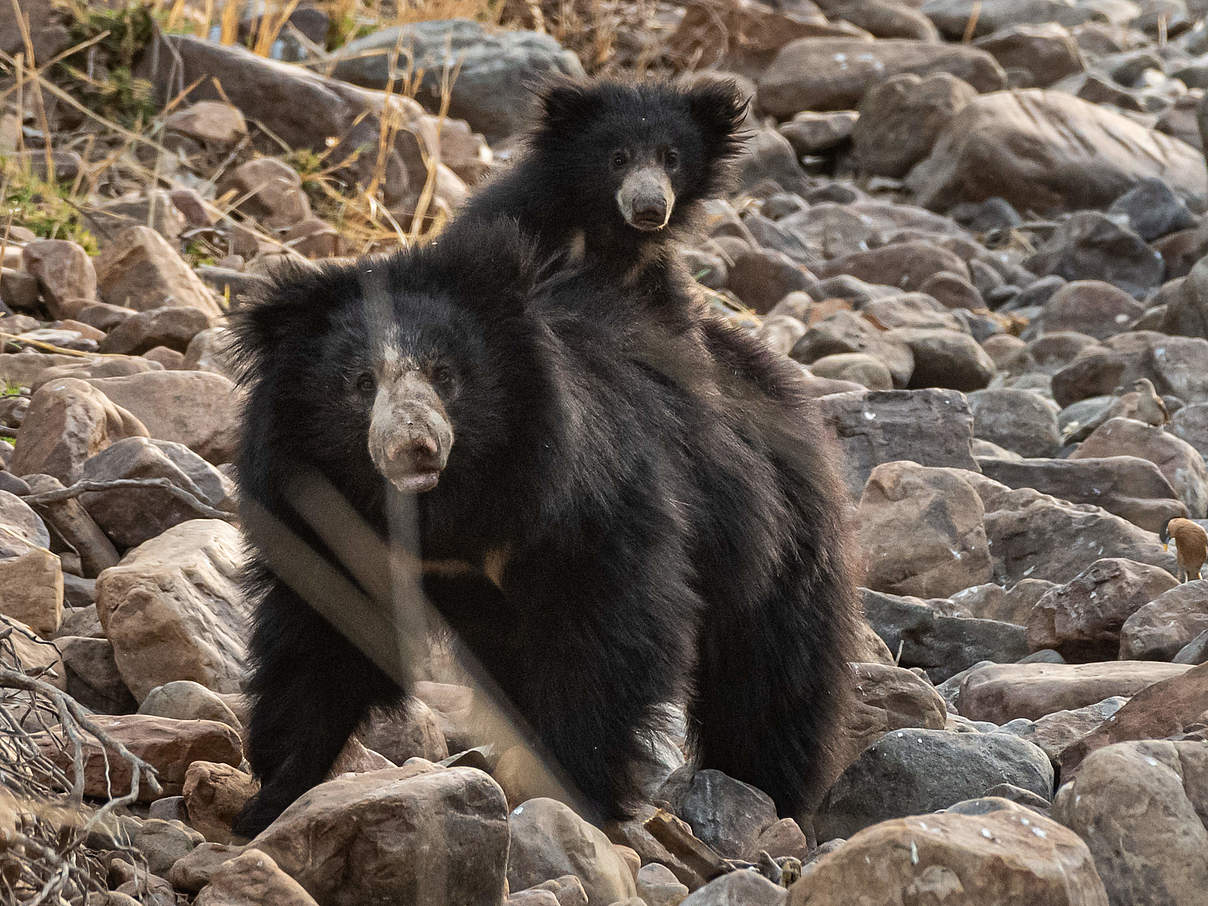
117	484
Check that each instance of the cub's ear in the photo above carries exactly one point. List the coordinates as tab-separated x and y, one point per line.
719	109
563	105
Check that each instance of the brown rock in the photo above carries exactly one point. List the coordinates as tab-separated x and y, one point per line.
199	409
76	527
810	133
921	531
1047	150
93	367
410	731
762	277
169	746
929	427
187	700
65	275
548	840
1002	692
31	589
901	117
1058	731
1168	622
193	872
1011	855
269	190
69	421
342	840
1082	618
1047	52
1138	806
214	795
945	358
209	122
174	608
906	265
863	369
1180	462
834	73
846	332
139	270
746	887
172	326
252	879
1166	708
1092	308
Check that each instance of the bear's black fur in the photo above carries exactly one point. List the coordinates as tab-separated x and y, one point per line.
770	682
557	438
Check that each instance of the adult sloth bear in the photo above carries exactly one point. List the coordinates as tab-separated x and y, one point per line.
614	174
469	410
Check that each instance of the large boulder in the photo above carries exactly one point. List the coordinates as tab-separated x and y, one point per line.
1049	151
1166	623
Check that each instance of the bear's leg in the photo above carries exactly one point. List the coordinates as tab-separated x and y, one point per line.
310	688
607	639
771	679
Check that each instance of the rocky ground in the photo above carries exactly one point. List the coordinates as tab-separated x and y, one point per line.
980	226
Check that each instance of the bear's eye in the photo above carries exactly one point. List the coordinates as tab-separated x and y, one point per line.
365	382
671	159
619	159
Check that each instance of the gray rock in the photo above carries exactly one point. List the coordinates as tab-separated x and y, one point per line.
1152	209
912	772
92	675
746	887
725	813
1091	246
1020	420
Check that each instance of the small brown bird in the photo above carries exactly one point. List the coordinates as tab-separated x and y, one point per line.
1192	543
1141	403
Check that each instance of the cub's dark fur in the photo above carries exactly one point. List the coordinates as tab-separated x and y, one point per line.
453	385
771	681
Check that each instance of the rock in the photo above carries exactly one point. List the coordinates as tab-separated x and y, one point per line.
342	840
834	73
549	840
1152	209
131	516
886	698
725	813
1046	52
846	332
921	532
929	427
410	731
1191	424
212	123
73	524
31	585
92	675
174	608
172	326
269	190
900	118
1082	618
859	367
906	265
1019	420
762	277
187	700
1092	246
139	270
767	159
911	772
65	275
658	886
169	746
69	421
953	290
493	68
196	408
1090	307
31	654
251	879
1138	805
945	358
811	133
918	636
1035	536
746	887
1002	692
1127	486
1194	652
1187	312
1048	151
214	794
957	858
1178	461
161	842
1156	631
192	872
1058	731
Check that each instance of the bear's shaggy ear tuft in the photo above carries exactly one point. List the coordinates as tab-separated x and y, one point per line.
487	263
564	103
719	109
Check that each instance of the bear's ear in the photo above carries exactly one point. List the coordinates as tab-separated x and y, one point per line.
719	110
564	104
489	265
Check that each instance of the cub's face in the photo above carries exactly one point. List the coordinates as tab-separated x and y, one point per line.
644	150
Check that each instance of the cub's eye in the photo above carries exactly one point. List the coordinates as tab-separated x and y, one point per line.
671	158
365	382
619	159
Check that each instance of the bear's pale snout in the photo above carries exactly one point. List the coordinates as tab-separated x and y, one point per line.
409	434
646	198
